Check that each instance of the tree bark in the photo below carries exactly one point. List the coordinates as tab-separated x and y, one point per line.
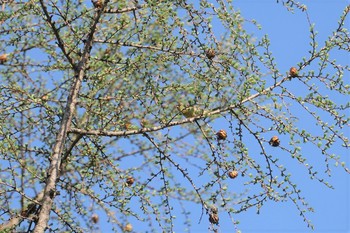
56	157
54	171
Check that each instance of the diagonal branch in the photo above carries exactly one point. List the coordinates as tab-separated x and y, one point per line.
170	124
55	30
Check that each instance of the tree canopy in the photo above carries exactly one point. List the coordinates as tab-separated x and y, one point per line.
116	110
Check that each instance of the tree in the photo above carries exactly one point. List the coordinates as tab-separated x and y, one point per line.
110	108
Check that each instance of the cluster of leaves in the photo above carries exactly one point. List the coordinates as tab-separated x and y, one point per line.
96	94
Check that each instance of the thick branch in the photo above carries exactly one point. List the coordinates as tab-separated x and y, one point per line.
54	169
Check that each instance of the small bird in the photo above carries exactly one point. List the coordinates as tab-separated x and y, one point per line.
274	141
190	111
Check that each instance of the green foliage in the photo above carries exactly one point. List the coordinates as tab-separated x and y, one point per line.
148	106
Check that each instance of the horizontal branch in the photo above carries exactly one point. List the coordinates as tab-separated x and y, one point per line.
118	11
170	124
140	46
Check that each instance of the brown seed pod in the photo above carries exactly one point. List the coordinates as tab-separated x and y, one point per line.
94	218
44	97
128	227
214	218
210	53
98	3
3	58
274	141
293	72
130	180
214	209
233	174
221	134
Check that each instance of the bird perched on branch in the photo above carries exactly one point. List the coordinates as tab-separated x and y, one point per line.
190	111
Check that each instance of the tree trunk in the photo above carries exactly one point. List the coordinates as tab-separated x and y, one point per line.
56	157
54	171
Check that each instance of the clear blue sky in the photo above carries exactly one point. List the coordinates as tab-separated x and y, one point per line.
289	35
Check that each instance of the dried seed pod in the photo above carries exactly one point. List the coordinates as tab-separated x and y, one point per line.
44	97
98	3
293	72
210	53
274	141
130	180
214	218
128	227
233	174
214	209
94	218
221	134
3	58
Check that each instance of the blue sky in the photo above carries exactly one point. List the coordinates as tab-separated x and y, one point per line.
289	35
